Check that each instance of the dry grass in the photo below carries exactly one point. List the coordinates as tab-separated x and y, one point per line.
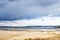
26	35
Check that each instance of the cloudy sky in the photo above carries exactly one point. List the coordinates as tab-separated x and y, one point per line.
29	12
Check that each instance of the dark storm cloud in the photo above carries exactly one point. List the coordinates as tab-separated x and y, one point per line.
26	9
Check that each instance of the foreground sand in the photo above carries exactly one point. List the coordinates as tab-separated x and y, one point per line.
29	35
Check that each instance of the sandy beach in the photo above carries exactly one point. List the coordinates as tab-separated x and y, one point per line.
29	35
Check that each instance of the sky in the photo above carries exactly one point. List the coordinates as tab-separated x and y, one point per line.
29	12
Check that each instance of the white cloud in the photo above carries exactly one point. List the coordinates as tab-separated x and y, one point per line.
44	21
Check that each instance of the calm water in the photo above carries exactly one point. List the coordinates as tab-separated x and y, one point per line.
20	28
28	27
